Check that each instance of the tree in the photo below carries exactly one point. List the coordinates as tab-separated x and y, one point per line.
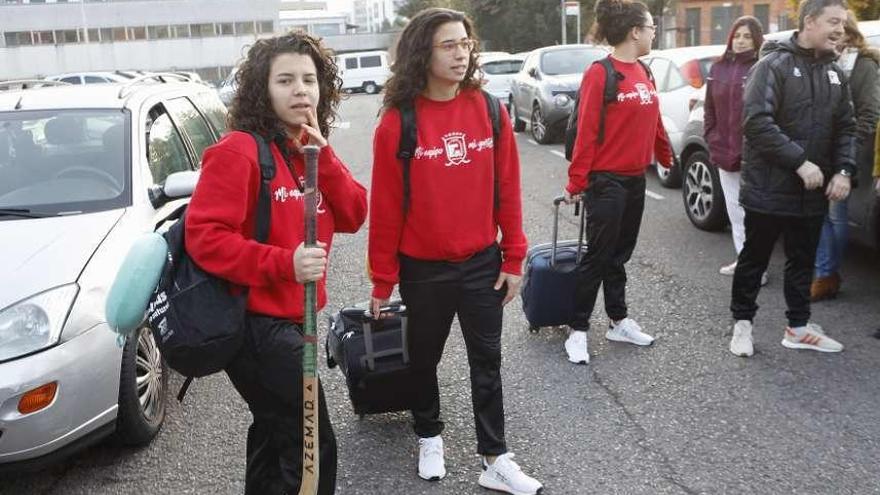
865	10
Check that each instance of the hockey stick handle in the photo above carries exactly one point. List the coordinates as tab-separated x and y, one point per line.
309	484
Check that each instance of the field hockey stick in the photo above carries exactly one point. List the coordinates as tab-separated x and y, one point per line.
309	485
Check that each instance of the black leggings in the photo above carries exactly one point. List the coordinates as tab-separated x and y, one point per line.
434	292
268	375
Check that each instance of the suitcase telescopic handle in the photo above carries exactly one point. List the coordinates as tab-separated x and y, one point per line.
558	200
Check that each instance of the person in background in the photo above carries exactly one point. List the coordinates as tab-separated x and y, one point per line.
722	119
609	174
861	64
791	167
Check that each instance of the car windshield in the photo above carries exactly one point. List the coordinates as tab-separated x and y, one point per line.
573	61
64	161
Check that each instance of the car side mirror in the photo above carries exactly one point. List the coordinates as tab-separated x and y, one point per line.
534	73
177	185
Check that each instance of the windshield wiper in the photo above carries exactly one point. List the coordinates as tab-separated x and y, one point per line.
22	212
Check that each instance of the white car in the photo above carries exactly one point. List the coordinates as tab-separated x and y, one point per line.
94	77
363	71
83	170
499	69
678	72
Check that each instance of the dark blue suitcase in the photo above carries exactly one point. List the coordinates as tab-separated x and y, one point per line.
550	278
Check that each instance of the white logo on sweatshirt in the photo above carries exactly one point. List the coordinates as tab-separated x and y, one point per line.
283	194
832	76
456	148
642	92
797	72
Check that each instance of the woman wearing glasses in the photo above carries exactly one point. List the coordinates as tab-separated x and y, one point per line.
609	171
439	241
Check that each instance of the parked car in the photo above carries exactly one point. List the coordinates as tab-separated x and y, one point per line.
498	71
678	72
228	87
701	188
363	71
84	171
104	77
543	91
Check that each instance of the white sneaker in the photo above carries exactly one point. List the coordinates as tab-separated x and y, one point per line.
504	475
810	337
431	464
627	330
741	343
576	347
728	269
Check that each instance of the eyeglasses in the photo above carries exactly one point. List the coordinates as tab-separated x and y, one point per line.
468	44
652	27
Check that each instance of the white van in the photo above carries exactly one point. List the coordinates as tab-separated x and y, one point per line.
363	71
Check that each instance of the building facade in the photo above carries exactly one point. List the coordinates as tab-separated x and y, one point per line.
204	36
707	22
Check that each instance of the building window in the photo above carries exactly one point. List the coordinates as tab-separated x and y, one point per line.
784	22
692	25
722	20
180	31
201	30
137	33
265	27
67	35
326	29
157	32
43	38
92	35
762	13
118	33
244	28
21	38
224	29
106	35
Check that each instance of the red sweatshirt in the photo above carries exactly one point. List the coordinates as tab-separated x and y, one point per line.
451	182
633	128
221	223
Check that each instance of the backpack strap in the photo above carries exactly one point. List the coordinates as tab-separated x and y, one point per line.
406	147
267	173
609	95
494	107
648	71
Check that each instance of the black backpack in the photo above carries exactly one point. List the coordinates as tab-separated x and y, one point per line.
406	148
198	319
609	96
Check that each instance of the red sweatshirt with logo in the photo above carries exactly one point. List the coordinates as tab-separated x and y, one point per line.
451	215
221	221
633	128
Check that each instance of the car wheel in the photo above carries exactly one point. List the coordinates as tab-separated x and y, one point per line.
669	177
142	384
371	88
540	132
702	194
518	124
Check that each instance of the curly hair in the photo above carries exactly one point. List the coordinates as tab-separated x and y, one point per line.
615	18
410	68
251	108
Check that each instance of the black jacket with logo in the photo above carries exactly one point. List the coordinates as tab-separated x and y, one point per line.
797	108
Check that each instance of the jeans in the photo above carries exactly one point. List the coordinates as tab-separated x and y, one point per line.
832	244
801	236
614	205
434	293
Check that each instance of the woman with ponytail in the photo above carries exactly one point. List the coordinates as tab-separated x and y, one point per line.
608	169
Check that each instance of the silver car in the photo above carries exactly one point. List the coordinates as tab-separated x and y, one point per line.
543	91
82	174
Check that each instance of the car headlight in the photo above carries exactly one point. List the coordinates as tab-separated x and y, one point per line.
35	323
561	100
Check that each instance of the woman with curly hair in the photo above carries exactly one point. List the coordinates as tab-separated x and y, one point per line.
607	170
288	91
440	246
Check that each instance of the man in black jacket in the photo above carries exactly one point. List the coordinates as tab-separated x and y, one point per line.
798	152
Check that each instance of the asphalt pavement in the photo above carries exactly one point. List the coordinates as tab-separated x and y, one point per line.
681	417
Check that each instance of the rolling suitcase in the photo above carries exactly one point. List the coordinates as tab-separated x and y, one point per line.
550	277
374	357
